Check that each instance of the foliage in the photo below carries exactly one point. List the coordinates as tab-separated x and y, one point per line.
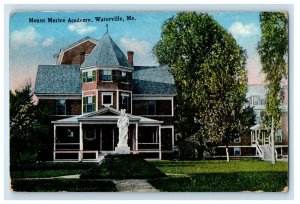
224	182
123	167
29	126
22	118
273	48
210	76
59	185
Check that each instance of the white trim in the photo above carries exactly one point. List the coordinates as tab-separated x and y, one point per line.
159	140
81	142
136	136
59	96
110	67
107	94
173	136
172	105
118	105
147	98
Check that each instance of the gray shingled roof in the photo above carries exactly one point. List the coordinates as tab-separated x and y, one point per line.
152	80
58	79
106	53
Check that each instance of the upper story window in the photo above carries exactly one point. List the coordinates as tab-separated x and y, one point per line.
152	107
126	77
106	75
89	76
125	102
256	100
107	99
63	107
89	104
237	140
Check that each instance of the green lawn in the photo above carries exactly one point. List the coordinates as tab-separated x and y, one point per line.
220	176
59	185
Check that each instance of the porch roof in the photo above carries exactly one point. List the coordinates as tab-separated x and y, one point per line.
108	115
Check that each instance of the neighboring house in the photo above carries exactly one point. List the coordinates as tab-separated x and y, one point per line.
258	142
86	89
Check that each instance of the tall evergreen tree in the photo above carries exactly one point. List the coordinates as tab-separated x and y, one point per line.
210	76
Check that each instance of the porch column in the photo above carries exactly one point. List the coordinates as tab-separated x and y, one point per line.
80	143
54	143
159	141
136	136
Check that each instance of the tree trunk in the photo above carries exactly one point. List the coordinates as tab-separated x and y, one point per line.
227	153
273	142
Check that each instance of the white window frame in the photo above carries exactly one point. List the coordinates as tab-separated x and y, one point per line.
89	74
237	140
90	138
107	94
238	149
107	75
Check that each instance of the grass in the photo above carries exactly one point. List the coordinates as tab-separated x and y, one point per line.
218	166
220	176
48	169
60	185
123	167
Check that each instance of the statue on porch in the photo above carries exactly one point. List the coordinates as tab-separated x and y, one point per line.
123	123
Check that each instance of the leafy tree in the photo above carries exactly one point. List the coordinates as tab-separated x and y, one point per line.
29	131
22	117
210	76
273	48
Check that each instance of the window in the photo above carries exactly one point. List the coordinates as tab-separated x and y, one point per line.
278	136
90	134
89	76
70	133
126	77
107	99
89	104
237	151
237	140
106	75
150	107
125	103
61	107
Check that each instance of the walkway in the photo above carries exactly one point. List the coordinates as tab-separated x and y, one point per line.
129	185
134	185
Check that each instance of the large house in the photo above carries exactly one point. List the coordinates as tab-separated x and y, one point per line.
258	143
93	80
90	83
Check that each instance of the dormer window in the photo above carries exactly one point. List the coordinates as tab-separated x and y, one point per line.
107	75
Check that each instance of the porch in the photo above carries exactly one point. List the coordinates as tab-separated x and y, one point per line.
90	137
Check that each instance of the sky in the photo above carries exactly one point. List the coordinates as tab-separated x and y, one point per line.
35	43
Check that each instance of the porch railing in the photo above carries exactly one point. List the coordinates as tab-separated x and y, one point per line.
69	155
148	146
259	150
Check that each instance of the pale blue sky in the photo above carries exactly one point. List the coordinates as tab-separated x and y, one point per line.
32	44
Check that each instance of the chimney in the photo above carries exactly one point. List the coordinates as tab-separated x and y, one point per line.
130	58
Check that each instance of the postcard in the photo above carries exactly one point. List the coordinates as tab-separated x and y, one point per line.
160	101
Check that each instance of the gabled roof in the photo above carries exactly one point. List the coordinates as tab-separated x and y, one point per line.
79	42
58	79
152	80
106	53
101	115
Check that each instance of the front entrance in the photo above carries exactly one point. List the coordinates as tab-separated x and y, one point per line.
109	137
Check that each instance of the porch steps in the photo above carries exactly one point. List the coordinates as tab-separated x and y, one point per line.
267	152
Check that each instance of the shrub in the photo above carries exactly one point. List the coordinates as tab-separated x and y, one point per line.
50	166
123	167
56	185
